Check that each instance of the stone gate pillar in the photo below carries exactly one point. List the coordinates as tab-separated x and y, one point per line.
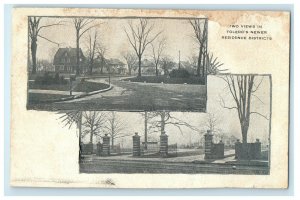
99	149
238	149
208	144
136	149
163	148
106	146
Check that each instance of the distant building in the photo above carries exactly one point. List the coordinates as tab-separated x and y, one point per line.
147	67
65	60
115	66
44	66
187	66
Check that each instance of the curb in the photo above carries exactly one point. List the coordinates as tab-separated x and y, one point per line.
77	96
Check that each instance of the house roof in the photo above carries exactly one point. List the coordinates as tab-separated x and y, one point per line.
67	52
114	61
145	63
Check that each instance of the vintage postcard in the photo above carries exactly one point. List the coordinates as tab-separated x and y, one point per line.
121	98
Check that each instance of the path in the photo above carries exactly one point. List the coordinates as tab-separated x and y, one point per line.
142	96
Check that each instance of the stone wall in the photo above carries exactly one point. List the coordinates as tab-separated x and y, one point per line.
86	149
248	151
213	151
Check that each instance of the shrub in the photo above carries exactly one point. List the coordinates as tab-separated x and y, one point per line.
179	73
50	78
56	78
62	80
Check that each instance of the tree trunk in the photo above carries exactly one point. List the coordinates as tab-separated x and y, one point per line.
140	62
91	67
80	134
244	136
91	136
199	61
204	64
102	65
112	131
129	70
33	54
156	70
162	123
77	53
244	129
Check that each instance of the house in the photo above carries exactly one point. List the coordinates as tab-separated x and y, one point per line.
187	66
147	67
65	60
115	66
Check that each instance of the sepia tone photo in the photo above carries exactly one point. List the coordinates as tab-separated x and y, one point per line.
233	137
118	63
101	97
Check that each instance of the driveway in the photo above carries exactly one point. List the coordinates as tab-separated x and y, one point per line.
141	96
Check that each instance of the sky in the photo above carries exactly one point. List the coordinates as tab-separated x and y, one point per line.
178	34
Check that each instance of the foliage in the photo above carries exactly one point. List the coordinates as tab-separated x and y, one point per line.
213	65
50	78
179	73
159	79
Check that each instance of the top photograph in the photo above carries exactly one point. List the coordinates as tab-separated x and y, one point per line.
119	63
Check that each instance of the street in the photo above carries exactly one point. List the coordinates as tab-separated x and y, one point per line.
140	96
117	166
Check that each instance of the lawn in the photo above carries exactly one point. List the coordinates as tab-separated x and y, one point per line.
79	86
38	97
158	79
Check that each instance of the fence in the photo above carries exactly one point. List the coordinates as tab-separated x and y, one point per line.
172	150
149	148
115	150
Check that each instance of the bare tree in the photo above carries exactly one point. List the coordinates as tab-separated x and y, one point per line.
92	46
93	122
242	88
157	51
200	34
211	123
139	37
147	117
193	61
101	51
130	59
82	25
161	119
34	32
115	127
167	64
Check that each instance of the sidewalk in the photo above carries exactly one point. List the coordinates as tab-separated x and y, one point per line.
54	92
183	159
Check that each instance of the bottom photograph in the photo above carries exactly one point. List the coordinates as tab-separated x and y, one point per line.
233	137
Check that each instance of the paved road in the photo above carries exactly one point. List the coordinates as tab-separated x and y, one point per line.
141	96
115	166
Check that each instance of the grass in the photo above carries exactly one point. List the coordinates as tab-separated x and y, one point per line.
38	97
60	87
83	86
90	86
158	79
